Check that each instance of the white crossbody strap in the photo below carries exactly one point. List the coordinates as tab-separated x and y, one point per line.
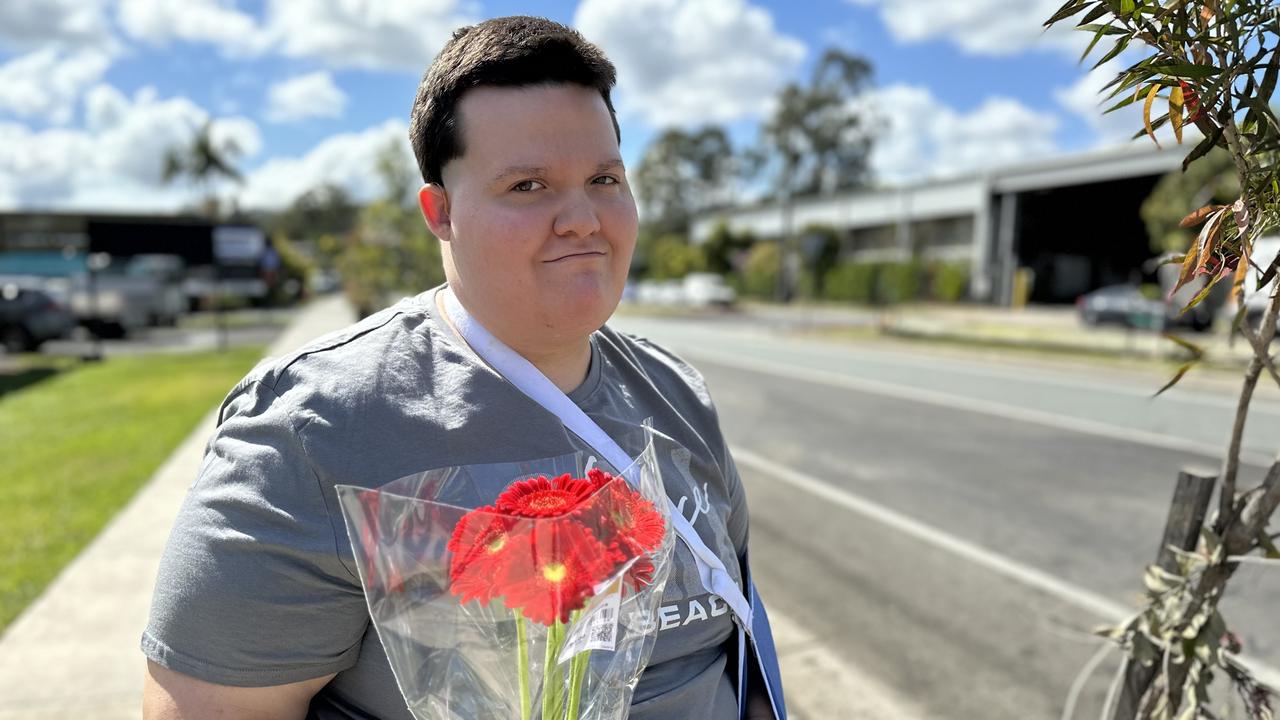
528	379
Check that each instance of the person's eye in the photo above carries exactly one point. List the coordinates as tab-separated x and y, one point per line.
526	186
607	180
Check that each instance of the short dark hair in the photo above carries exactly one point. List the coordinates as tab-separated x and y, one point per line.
507	52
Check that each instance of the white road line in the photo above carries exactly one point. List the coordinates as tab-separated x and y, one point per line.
1058	378
1107	609
1092	602
985	407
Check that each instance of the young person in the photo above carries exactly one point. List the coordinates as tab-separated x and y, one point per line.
258	610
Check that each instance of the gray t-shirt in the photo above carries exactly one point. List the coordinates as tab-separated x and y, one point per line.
258	585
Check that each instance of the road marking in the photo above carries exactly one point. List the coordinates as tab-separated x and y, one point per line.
1060	378
1104	607
985	407
766	341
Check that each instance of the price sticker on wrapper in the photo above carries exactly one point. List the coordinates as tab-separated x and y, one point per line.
597	628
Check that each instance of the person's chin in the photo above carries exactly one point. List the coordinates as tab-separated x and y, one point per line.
585	309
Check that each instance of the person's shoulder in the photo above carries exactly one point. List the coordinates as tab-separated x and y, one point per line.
662	365
348	361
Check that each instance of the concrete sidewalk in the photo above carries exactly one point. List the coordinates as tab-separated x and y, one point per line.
74	652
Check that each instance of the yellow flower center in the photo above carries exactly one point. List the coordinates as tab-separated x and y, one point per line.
496	544
554	572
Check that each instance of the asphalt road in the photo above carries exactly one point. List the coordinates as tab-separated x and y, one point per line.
953	529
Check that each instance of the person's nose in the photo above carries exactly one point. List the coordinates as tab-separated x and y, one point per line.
578	216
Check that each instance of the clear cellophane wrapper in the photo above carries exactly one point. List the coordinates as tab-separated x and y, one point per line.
460	632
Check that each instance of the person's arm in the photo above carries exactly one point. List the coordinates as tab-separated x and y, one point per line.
168	695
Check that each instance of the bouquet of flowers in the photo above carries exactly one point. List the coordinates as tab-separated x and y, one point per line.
515	590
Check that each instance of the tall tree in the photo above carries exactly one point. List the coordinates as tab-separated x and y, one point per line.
818	139
398	175
203	161
681	174
326	209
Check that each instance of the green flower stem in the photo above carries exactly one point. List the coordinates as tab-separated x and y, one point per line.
552	680
577	674
522	660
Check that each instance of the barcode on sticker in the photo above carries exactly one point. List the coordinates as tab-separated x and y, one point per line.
597	629
602	633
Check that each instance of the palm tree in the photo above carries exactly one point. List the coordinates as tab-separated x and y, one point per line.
203	161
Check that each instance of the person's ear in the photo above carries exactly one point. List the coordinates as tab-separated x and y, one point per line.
434	202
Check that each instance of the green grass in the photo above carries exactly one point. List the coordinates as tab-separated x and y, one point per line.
77	444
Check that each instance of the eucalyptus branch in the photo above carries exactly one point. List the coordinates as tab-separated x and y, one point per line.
1231	463
1259	350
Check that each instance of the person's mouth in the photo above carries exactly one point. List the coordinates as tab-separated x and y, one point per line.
578	255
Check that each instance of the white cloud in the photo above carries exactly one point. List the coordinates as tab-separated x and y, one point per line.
380	34
305	96
375	34
47	83
347	159
682	62
982	27
29	25
214	21
923	138
117	162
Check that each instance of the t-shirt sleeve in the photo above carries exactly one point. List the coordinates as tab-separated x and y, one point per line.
251	590
738	524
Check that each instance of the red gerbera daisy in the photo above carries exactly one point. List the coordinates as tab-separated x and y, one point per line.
539	497
552	570
481	541
630	521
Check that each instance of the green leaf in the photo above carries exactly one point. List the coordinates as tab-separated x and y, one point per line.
1187	70
1202	149
1200	296
1096	37
1127	101
1119	47
1069	8
1265	541
1105	29
1261	111
1269	77
1186	367
1097	12
1196	351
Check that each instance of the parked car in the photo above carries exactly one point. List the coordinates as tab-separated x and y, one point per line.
123	295
695	289
166	273
29	317
1127	305
703	289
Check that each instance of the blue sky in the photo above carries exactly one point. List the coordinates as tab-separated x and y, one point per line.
92	92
